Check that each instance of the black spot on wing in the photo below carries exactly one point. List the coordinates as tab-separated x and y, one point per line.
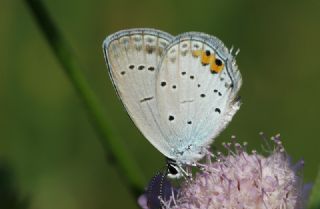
141	67
218	92
213	72
151	68
218	62
146	99
187	101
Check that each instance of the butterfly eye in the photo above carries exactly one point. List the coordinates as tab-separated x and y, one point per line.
172	169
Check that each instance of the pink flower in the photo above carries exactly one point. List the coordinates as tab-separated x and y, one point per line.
243	180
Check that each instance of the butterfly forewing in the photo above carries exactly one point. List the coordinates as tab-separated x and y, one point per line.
133	57
196	88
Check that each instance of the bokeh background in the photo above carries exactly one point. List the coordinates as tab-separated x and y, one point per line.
53	150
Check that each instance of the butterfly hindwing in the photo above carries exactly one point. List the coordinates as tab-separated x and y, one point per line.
196	89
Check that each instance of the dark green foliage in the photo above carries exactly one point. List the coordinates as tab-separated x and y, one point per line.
10	197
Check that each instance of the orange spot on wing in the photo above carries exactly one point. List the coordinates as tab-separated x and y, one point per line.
214	67
205	59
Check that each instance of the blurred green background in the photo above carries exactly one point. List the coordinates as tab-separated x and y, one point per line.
45	134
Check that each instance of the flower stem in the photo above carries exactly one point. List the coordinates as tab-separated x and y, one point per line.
114	149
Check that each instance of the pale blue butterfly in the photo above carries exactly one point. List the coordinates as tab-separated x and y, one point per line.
180	91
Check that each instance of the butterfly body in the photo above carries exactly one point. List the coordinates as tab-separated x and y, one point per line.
180	92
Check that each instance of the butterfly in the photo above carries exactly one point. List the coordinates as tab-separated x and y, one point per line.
180	91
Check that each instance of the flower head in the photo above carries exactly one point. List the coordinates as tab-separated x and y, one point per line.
237	180
243	180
